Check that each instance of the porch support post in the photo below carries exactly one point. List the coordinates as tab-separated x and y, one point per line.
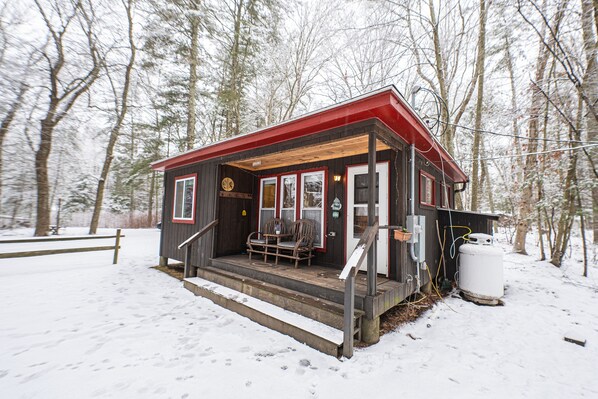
188	268
163	261
349	316
371	270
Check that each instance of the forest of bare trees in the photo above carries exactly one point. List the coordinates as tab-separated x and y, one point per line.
93	91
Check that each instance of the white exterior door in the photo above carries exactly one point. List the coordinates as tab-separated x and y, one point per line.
357	211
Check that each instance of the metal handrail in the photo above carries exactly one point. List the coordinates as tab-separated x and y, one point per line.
189	242
348	274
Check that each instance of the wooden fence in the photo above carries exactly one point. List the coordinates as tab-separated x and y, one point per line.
115	247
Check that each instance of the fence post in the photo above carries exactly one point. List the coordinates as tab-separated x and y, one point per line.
116	247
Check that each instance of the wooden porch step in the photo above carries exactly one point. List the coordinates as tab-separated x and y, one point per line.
330	294
322	310
305	330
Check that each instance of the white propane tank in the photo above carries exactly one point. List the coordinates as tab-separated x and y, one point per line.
481	270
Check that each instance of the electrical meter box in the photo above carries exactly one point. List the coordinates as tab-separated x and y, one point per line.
417	225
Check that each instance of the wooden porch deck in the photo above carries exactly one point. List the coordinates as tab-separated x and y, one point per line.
318	281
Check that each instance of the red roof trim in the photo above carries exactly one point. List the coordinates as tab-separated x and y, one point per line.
386	105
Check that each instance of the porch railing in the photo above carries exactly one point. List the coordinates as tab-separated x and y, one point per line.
188	243
348	274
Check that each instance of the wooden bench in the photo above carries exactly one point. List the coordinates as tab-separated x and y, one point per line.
300	244
259	242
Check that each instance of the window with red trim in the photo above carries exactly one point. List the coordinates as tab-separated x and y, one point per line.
445	196
184	199
426	189
301	194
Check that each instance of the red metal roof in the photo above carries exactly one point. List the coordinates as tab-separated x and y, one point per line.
387	105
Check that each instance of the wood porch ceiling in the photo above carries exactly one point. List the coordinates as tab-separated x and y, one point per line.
314	153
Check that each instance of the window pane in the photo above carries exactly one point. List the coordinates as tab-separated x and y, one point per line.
427	190
266	214
268	193
188	208
316	216
288	216
312	191
360	220
362	190
288	193
179	197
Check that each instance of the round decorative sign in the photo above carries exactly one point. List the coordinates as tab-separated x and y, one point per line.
228	184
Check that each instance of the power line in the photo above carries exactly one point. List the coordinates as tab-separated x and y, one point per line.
517	136
530	153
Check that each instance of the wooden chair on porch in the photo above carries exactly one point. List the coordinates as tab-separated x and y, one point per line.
257	243
301	244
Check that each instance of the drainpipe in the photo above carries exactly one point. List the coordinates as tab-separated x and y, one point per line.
412	213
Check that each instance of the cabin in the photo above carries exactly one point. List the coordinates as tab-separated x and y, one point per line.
356	173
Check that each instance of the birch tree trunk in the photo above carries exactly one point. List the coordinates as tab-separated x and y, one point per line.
477	137
115	131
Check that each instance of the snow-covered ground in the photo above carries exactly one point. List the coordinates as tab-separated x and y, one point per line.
76	326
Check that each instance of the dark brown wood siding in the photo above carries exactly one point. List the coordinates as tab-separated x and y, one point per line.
430	212
205	211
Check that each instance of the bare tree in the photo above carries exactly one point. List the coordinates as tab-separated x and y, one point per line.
7	120
530	168
65	88
477	136
589	24
447	58
121	107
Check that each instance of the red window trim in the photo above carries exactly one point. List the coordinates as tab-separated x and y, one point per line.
193	210
299	197
448	192
421	200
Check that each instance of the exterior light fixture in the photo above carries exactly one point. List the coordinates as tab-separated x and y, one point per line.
337	178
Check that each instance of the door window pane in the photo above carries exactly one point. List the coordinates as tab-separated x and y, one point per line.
361	188
360	220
